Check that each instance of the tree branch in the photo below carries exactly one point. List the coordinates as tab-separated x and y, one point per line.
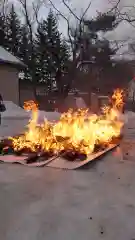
122	16
115	7
70	10
36	8
74	49
86	10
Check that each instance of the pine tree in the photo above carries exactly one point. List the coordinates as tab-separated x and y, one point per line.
53	47
3	31
64	55
42	54
52	51
24	52
14	32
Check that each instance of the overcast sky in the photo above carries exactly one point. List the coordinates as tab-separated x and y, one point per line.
123	32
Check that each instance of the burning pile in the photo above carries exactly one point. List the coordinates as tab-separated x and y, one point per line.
75	133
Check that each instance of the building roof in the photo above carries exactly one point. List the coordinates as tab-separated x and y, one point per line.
7	57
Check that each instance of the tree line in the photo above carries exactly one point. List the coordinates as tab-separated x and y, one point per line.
50	51
48	55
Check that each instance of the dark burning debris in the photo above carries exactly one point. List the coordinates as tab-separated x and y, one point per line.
74	137
71	154
74	156
6	148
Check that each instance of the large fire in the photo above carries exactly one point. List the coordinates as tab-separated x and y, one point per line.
75	131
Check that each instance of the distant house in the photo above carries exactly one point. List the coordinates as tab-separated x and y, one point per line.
9	72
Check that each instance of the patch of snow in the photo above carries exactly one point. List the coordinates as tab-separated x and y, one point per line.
13	125
10	127
17	118
14	111
50	116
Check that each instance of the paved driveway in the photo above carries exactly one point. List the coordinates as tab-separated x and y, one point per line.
95	203
50	204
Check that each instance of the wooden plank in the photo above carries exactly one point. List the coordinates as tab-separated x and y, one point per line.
62	163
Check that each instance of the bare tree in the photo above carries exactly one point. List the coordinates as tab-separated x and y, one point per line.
78	36
30	20
74	37
124	12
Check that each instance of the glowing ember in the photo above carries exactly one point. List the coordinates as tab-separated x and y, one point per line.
76	132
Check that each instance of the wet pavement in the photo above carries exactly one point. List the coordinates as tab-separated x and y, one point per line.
90	204
44	203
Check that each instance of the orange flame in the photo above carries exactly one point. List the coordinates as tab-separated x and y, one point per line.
30	105
75	131
117	99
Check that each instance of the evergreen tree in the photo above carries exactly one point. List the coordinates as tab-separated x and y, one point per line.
48	38
24	52
52	51
42	53
14	32
3	31
61	54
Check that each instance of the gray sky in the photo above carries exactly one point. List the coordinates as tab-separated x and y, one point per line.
123	32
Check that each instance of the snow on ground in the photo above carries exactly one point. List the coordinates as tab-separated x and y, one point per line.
50	116
15	118
16	112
